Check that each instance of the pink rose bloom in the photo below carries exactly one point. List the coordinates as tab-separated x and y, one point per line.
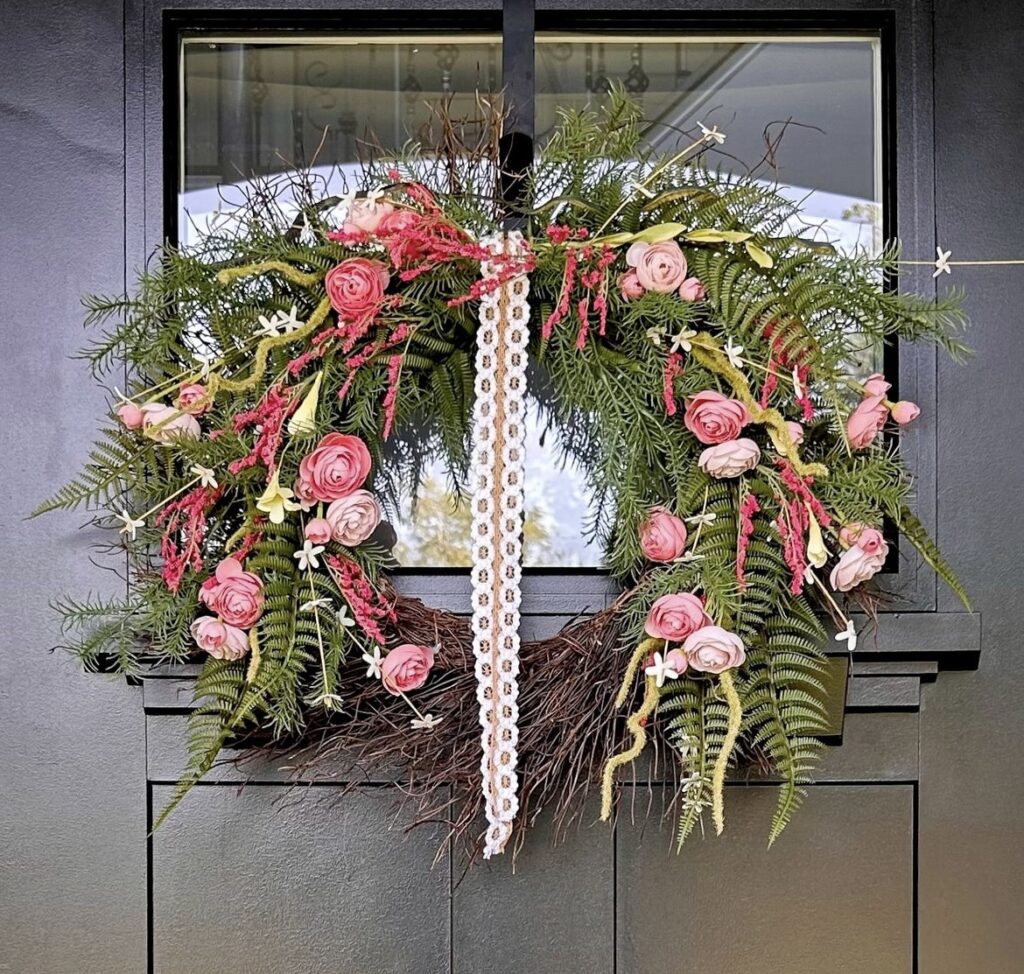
865	421
356	287
318	530
730	459
337	467
365	215
674	617
691	290
353	518
714	418
630	287
234	594
662	535
855	565
875	385
659	267
219	639
303	494
398	221
714	650
676	659
406	668
905	412
188	395
166	423
130	415
796	432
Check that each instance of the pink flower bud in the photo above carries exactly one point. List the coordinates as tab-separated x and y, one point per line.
905	412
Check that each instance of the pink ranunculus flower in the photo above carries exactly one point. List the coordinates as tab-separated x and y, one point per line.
855	565
356	287
318	530
674	617
691	290
353	518
406	668
130	415
167	423
338	466
188	395
234	594
875	385
659	267
713	649
365	215
714	418
630	287
730	459
303	494
905	412
865	421
870	540
662	535
219	639
676	659
796	432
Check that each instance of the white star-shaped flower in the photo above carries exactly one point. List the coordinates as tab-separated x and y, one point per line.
713	134
704	518
373	195
130	525
329	701
373	662
307	555
682	340
289	321
315	604
426	722
344	619
733	353
656	333
661	671
686	557
205	363
689	781
268	326
206	476
942	262
848	636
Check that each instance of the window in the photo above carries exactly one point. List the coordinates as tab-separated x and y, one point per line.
804	110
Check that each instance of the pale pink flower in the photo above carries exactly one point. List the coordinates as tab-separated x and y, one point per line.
875	385
662	535
713	649
220	640
691	290
730	459
659	267
353	518
406	668
165	424
865	421
855	565
630	287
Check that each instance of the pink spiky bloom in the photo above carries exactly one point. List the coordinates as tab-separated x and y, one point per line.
748	509
184	519
391	396
800	487
673	367
269	414
792	524
368	606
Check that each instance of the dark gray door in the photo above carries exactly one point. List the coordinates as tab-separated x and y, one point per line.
907	854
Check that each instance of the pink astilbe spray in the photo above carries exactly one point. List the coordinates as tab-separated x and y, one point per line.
184	523
673	368
800	487
792	523
269	415
748	509
368	606
391	396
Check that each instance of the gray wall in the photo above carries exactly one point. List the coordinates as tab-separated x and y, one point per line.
73	767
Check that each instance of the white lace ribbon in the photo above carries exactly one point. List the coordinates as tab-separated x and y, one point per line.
497	478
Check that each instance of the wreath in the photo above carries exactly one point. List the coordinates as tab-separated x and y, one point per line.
693	347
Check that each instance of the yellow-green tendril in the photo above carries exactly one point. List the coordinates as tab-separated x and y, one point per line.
642	651
293	274
722	761
254	662
706	351
637	727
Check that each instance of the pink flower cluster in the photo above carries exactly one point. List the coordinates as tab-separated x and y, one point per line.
718	421
868	418
706	648
658	267
236	598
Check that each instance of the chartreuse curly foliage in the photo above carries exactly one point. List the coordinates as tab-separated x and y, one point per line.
782	297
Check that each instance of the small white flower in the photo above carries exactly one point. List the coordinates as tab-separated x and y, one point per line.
315	604
713	134
206	476
373	662
656	333
661	671
689	781
426	722
289	321
705	518
374	195
942	263
686	557
798	387
848	636
130	525
634	187
682	340
809	577
205	363
268	326
733	353
329	701
307	555
344	619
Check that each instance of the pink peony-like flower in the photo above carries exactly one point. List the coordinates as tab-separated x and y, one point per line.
353	518
865	421
220	640
406	668
905	412
398	221
730	459
630	287
365	215
338	466
303	494
674	617
875	385
318	530
714	650
662	535
796	432
234	594
714	418
855	565
356	287
166	423
691	290
130	415
188	395
870	540
659	267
